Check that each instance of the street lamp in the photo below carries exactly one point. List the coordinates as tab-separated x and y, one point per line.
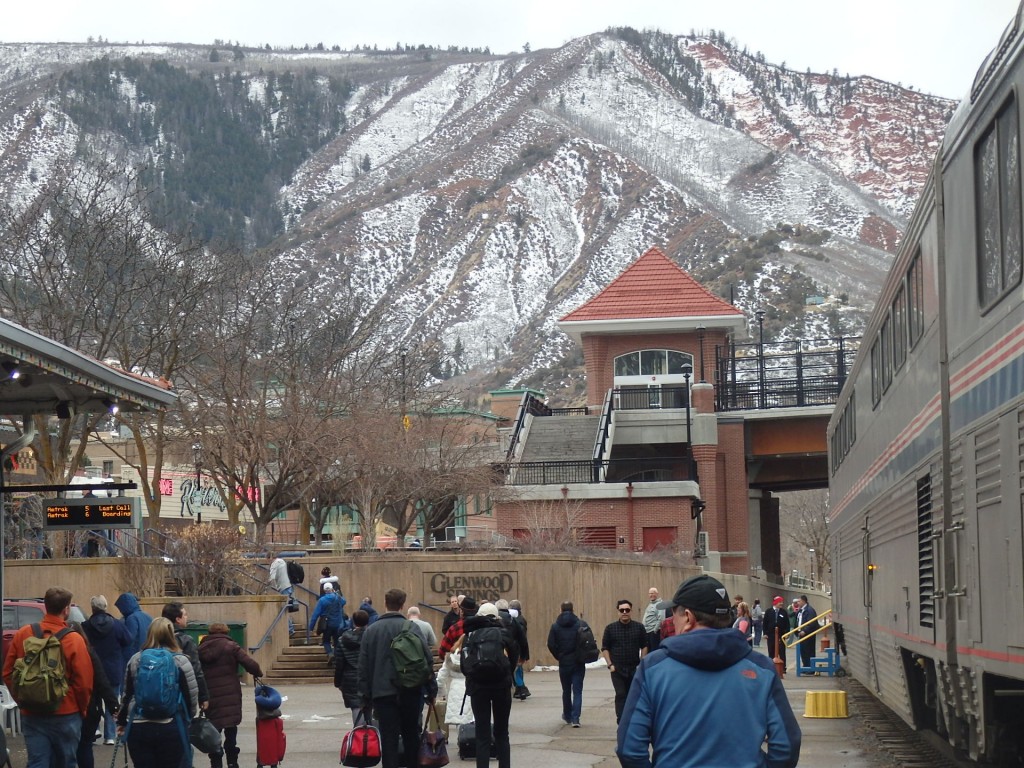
760	357
197	455
700	337
405	422
687	372
811	551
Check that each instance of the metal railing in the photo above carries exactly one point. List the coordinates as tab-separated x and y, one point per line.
604	427
641	398
790	374
646	469
528	405
795	632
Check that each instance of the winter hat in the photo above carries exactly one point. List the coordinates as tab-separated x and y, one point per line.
468	606
487	609
328	587
777	600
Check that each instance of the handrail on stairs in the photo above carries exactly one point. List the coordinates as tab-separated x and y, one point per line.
794	632
270	630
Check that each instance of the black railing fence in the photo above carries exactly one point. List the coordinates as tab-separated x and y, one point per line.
788	374
648	469
528	405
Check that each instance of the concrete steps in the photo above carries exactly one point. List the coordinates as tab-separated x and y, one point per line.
561	438
301	663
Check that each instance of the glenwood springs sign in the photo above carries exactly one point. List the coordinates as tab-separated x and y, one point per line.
483	586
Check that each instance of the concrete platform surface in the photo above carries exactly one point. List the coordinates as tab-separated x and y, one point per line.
316	719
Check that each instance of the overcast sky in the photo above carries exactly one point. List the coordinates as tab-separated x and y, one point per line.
933	45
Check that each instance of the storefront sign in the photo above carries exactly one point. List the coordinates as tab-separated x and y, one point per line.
483	586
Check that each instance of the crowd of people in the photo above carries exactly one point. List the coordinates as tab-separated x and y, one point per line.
93	692
383	665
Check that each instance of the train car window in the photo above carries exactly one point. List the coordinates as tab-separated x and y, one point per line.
899	329
876	373
845	433
915	300
998	206
885	354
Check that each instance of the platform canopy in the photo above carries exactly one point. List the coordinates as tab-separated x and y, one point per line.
39	376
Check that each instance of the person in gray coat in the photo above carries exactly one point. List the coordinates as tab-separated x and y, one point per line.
396	708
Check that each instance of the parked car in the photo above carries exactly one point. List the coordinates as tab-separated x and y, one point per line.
21	611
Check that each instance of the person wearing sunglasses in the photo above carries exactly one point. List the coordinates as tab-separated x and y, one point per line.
623	644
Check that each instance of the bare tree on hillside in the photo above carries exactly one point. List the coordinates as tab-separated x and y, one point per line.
805	522
82	265
269	398
450	456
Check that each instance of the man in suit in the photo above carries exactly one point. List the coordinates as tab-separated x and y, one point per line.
805	614
776	618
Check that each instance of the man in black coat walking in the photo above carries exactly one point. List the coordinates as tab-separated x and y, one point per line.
562	643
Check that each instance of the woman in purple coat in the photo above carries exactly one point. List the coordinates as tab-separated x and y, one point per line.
220	656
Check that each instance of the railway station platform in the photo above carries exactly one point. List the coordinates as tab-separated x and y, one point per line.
316	720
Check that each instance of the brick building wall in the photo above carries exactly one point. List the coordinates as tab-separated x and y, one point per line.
660	512
599	353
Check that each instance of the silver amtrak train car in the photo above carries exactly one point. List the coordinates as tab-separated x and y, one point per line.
926	445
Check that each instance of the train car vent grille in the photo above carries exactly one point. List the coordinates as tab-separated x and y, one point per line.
925	553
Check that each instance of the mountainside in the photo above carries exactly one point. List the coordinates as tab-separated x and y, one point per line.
470	200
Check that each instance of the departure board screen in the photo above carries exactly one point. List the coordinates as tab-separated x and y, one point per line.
67	514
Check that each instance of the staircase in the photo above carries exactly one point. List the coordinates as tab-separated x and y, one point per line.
300	663
561	438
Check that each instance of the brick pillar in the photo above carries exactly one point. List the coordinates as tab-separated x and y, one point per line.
703	398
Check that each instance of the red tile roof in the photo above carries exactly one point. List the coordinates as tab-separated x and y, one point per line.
652	286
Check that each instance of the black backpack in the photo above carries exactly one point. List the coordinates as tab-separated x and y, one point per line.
586	644
296	573
483	657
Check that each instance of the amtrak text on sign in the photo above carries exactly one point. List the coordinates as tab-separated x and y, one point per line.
119	512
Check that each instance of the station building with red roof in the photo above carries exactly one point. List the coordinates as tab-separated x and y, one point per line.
650	466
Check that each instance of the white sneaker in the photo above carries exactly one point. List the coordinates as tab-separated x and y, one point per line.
109	741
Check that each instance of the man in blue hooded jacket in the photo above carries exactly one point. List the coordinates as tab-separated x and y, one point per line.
136	621
705	697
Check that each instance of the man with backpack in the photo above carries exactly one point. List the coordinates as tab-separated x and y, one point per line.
564	642
395	673
50	675
488	656
330	613
281	582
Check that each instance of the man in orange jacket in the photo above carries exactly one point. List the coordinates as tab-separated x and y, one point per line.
52	738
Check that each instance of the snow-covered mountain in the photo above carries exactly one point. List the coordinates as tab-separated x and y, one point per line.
470	200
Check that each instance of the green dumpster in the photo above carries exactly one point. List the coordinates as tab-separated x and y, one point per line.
197	630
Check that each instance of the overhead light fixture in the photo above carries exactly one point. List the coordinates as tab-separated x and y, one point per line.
10	369
111	406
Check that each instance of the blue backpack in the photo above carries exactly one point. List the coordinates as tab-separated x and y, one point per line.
157	694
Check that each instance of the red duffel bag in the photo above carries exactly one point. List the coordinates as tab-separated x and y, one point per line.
361	747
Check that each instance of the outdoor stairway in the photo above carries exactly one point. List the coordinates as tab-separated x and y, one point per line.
300	663
561	438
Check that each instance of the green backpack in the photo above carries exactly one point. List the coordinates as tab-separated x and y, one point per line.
40	680
411	667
